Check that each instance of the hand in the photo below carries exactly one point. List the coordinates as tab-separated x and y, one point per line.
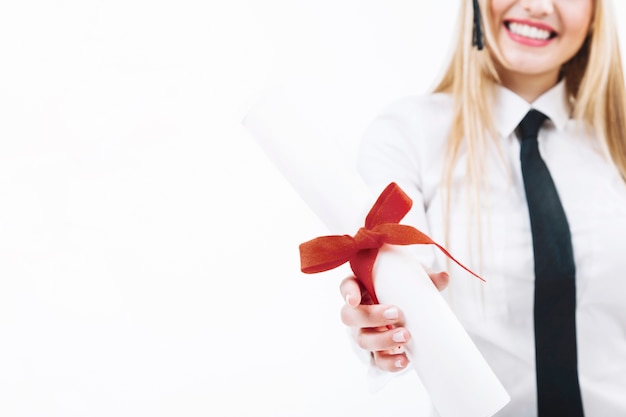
378	328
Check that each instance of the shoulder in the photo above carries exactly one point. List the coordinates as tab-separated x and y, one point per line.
408	135
418	107
411	118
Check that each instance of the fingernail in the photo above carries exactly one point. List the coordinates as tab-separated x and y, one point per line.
398	364
391	313
399	337
349	300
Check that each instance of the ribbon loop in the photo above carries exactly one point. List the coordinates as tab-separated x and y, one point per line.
381	227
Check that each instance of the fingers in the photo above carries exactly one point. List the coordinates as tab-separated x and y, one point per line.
391	362
351	291
383	339
379	327
371	316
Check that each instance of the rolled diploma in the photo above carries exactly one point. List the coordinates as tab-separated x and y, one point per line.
457	378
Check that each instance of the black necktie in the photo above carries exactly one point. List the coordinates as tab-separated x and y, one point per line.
558	391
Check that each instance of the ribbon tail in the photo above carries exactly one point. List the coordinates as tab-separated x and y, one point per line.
363	266
399	234
457	262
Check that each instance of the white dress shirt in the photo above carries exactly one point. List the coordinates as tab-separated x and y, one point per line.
407	144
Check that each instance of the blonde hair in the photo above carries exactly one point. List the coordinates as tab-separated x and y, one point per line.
594	83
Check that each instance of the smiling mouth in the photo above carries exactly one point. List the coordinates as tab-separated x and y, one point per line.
530	32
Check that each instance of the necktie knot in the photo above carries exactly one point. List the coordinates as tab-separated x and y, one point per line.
530	124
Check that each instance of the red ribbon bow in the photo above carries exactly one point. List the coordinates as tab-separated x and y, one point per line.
381	227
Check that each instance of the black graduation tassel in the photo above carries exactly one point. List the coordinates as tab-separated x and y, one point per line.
477	36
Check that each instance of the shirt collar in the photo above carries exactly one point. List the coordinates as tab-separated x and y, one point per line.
510	108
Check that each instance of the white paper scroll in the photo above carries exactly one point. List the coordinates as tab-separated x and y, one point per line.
454	373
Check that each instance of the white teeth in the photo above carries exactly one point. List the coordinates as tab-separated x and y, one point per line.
529	31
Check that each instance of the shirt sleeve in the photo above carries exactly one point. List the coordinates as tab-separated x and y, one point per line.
389	152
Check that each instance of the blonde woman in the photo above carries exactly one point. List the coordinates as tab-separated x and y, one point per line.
517	161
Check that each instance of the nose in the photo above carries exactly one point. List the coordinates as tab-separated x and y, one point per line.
538	7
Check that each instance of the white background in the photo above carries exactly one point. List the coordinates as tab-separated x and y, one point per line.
148	249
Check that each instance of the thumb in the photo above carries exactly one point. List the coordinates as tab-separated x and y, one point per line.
440	279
